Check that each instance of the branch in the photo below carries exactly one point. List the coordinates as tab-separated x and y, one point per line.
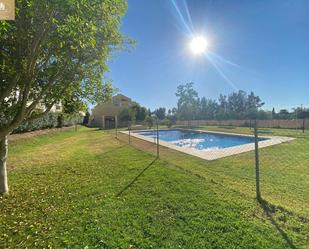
19	115
44	62
7	91
41	114
47	87
37	41
33	55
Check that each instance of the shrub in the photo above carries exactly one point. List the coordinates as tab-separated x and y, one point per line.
51	120
149	120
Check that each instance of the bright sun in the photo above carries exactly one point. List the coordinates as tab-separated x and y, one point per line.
198	45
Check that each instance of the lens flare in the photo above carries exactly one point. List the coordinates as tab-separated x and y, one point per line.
198	45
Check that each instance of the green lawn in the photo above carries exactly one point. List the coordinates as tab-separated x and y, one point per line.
86	189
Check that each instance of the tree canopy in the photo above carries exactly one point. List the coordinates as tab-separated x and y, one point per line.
55	50
133	113
187	101
237	105
160	113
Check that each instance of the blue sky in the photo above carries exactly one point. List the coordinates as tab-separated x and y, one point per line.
260	46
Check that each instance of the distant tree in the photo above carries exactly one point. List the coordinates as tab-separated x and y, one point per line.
241	106
222	112
174	111
127	114
304	114
172	115
253	104
141	112
264	115
300	112
208	108
160	113
283	114
187	99
167	122
150	121
273	113
237	105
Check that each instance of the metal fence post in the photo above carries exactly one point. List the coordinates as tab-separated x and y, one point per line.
116	126
257	162
129	127
158	152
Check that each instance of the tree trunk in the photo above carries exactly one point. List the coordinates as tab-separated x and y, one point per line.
4	188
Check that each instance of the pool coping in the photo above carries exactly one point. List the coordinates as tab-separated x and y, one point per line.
214	154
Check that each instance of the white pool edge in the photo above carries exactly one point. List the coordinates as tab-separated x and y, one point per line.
214	154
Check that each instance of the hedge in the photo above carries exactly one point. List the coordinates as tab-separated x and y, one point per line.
51	120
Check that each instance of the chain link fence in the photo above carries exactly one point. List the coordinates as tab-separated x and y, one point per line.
257	159
268	164
259	155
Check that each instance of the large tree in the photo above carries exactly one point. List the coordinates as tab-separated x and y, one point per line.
160	113
54	50
237	105
208	109
140	112
187	101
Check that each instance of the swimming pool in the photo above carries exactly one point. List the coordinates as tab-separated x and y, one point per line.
200	140
208	145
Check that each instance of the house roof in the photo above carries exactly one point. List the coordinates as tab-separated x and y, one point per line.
112	107
121	96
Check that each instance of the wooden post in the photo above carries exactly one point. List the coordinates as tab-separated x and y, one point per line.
257	162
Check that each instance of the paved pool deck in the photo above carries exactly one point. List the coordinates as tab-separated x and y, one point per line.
213	154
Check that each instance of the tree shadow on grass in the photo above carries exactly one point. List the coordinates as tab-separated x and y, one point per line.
270	210
136	178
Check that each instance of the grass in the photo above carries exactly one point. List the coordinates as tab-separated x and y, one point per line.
262	131
86	189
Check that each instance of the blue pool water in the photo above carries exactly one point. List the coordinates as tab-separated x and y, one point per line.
199	140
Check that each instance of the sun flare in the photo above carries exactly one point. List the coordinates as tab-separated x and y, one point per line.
198	45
